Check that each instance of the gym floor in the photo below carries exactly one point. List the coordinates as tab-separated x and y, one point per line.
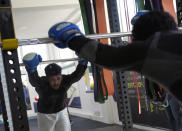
81	124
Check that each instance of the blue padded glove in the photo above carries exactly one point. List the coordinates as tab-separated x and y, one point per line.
83	62
31	61
137	16
64	32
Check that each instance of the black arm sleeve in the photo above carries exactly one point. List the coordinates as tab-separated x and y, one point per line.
34	79
75	76
128	57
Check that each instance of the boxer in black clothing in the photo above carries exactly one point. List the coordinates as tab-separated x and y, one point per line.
159	57
52	88
150	24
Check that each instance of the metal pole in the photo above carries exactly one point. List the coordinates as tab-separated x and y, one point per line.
120	78
109	35
10	74
5	91
56	61
35	41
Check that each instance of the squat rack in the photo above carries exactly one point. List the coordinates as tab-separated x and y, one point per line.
10	68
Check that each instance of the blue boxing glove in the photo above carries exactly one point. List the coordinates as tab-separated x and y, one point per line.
31	61
137	16
83	62
64	32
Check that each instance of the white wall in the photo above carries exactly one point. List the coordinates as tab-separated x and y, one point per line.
35	22
39	3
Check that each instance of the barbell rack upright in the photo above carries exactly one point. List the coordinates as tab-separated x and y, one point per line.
11	82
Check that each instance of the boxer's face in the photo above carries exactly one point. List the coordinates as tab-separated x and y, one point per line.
55	81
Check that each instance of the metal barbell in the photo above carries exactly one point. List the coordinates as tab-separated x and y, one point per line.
57	61
35	41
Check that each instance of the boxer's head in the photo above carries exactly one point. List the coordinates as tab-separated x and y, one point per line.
151	22
54	76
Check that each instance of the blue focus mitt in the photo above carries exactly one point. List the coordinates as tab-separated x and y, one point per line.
64	32
31	61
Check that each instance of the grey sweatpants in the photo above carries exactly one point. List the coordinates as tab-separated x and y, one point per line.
54	122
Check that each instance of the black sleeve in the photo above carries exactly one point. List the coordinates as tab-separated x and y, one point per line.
129	57
34	79
75	76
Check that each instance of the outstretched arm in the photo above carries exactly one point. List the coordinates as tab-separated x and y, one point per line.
128	57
